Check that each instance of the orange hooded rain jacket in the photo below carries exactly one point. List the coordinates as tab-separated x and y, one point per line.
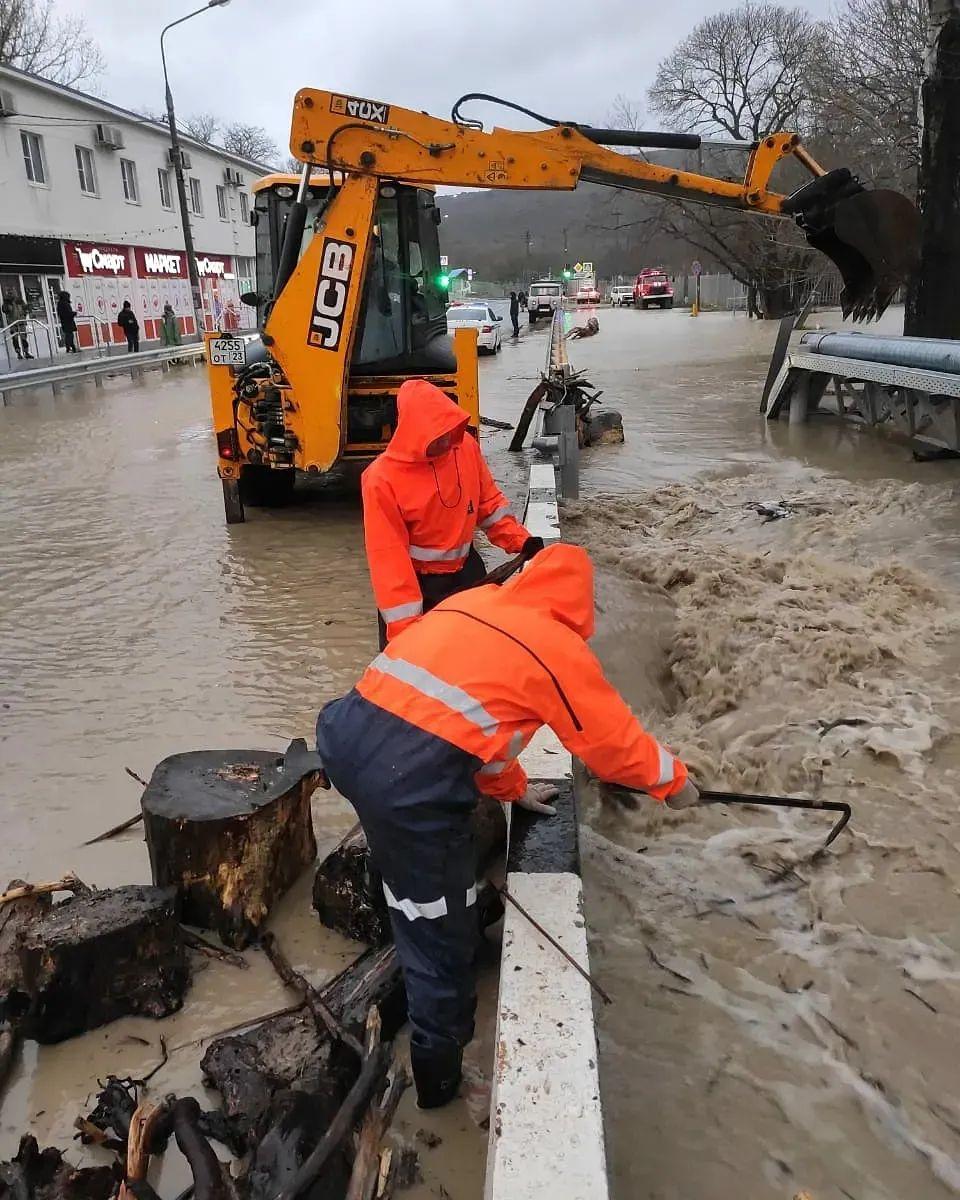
487	667
420	513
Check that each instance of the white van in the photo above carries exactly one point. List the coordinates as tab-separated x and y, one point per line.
544	297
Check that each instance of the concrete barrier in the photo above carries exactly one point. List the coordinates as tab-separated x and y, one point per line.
546	1120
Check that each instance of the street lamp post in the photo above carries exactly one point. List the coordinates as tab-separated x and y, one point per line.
178	170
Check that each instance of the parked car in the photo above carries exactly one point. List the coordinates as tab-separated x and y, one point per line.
653	287
621	295
480	317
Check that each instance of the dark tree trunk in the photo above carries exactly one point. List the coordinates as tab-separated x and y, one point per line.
17	918
347	903
932	310
231	831
97	958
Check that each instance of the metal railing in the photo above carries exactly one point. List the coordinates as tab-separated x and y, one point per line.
22	328
57	375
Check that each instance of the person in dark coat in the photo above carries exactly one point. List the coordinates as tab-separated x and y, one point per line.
127	320
68	322
515	313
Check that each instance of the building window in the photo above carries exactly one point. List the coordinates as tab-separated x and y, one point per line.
166	195
128	171
88	180
222	203
196	198
244	208
33	157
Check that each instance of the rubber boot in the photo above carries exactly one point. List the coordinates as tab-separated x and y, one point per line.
436	1073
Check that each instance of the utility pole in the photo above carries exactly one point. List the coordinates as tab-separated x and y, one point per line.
932	310
177	155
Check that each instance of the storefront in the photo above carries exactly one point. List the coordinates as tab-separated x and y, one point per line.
100	277
31	268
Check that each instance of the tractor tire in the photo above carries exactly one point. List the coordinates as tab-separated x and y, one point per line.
232	502
265	487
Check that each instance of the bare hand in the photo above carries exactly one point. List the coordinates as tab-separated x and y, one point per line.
536	796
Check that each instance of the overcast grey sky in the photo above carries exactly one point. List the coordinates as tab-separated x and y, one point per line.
567	59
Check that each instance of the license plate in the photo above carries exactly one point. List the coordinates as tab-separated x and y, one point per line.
227	352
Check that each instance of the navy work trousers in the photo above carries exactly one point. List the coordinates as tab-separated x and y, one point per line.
414	794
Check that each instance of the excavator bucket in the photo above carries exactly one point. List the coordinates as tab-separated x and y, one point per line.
873	238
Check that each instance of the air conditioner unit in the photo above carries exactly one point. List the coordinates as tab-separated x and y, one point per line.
8	106
109	137
185	161
232	177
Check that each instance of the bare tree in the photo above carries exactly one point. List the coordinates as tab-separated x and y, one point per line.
625	113
203	126
250	141
743	73
35	39
867	87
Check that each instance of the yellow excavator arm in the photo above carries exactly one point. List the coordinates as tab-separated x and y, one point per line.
872	237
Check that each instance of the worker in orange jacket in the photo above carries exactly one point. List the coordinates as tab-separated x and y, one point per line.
423	498
441	714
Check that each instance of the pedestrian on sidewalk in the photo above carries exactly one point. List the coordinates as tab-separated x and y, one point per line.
68	322
127	320
515	313
440	717
15	314
169	330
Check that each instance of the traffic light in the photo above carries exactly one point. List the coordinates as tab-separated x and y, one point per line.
443	281
567	273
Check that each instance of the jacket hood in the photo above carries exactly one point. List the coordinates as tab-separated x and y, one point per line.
558	582
423	413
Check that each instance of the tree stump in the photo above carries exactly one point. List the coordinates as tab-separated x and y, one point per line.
231	830
97	958
344	898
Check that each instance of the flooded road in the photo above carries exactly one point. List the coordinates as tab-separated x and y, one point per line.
135	624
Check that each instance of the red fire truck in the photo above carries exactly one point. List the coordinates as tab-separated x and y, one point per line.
653	287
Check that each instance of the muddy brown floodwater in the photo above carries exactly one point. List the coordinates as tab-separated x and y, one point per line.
780	1024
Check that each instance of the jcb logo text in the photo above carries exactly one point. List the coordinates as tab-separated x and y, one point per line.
333	290
360	109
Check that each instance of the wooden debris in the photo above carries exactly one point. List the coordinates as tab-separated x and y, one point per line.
211	1178
115	829
251	1069
97	958
344	897
35	1174
146	1118
293	979
366	1165
195	942
231	830
21	891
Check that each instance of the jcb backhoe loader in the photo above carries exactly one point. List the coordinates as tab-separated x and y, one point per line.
348	265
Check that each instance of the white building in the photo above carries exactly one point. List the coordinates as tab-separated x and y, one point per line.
88	203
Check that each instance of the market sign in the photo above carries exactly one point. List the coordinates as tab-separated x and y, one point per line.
160	264
92	258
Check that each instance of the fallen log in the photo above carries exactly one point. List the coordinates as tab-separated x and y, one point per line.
231	830
8	1050
347	901
99	957
250	1069
35	1174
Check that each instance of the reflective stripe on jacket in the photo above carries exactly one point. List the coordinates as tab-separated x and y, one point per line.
420	513
486	668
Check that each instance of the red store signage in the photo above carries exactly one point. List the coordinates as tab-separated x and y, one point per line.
97	258
160	264
215	266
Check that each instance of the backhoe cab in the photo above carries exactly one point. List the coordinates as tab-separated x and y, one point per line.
396	329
